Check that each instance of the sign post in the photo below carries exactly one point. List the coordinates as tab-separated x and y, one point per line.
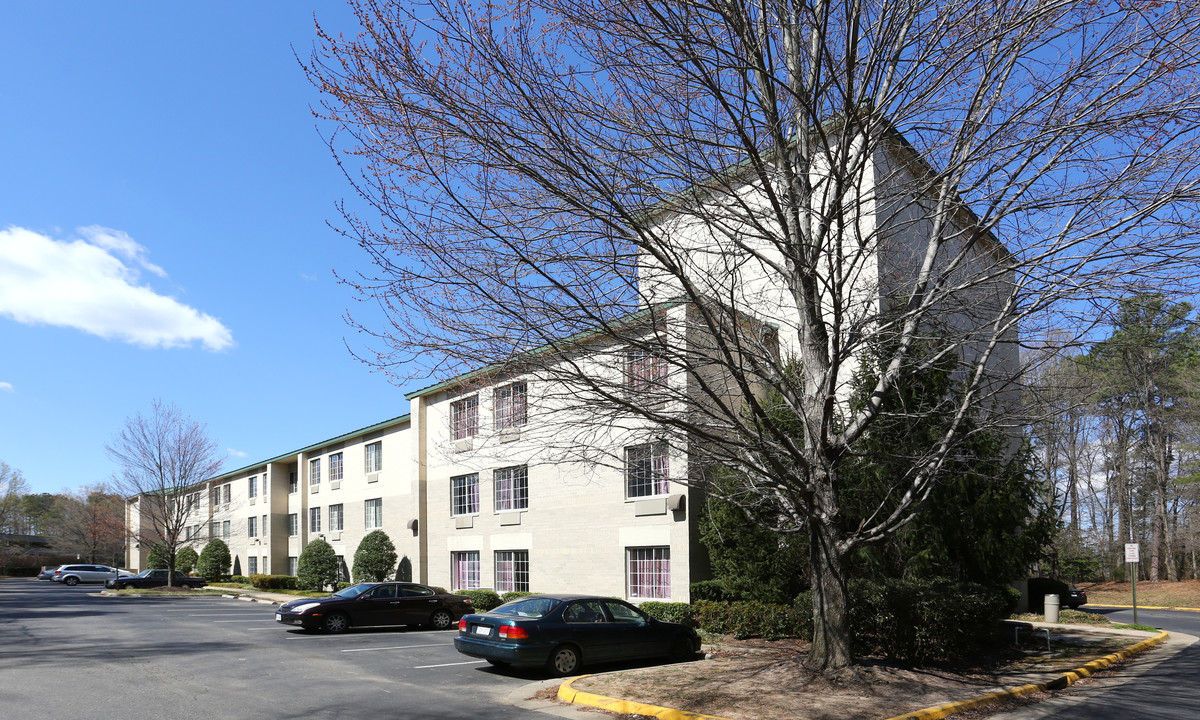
1132	557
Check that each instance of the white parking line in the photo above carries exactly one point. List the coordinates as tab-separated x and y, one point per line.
470	662
395	647
257	614
241	621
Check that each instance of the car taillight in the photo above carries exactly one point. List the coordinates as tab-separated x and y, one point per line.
512	632
462	625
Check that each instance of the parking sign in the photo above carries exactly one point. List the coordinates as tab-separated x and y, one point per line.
1131	552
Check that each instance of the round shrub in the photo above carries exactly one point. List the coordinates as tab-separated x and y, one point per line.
158	558
374	558
317	566
214	560
185	559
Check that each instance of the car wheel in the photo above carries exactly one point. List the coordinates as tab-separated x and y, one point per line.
440	620
71	581
563	661
681	650
336	623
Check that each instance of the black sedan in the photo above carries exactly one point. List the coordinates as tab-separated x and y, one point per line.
153	579
376	604
562	632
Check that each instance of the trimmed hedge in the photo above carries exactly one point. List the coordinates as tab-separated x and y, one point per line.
514	594
273	582
482	600
675	612
750	618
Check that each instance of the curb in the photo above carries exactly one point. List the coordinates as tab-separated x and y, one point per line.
1058	683
568	694
1144	607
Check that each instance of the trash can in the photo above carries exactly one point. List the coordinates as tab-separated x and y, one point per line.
1051	608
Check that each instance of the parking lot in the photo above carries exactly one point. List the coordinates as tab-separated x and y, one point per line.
68	649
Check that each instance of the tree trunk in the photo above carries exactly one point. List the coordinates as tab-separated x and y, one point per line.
831	647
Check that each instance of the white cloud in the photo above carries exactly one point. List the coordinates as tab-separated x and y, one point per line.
235	453
92	284
7	387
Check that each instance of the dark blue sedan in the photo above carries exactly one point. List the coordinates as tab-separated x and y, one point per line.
562	632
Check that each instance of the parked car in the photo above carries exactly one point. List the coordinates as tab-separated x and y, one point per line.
75	574
563	632
375	604
1068	596
48	573
152	579
1074	598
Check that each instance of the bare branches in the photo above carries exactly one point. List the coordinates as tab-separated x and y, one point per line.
911	182
165	457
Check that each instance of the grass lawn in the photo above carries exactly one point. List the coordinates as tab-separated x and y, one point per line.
1185	593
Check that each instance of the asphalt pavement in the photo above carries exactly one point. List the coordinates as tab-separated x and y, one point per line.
1163	684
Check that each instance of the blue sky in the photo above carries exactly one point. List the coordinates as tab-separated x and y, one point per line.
164	194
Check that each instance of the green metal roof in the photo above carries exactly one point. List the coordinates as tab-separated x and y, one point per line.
345	436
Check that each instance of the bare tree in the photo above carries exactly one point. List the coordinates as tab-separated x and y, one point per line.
889	186
12	488
165	458
93	523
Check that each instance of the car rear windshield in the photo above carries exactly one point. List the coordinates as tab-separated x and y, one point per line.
527	608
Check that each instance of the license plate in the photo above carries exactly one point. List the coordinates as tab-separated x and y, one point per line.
278	617
482	630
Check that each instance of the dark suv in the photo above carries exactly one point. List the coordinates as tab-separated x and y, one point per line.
154	578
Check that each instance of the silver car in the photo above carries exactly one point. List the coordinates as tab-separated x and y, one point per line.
75	574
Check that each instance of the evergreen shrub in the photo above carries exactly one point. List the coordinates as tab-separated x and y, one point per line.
924	621
214	560
482	600
273	582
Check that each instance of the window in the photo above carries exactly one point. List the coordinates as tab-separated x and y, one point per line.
511	406
335	518
265	528
293	563
648	573
252	527
225	528
252	489
314	471
293	525
252	564
373	456
192	502
228	493
215	498
512	571
335	467
646	470
645	371
265	567
464	570
293	483
511	488
464	418
214	530
464	494
314	520
374	513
